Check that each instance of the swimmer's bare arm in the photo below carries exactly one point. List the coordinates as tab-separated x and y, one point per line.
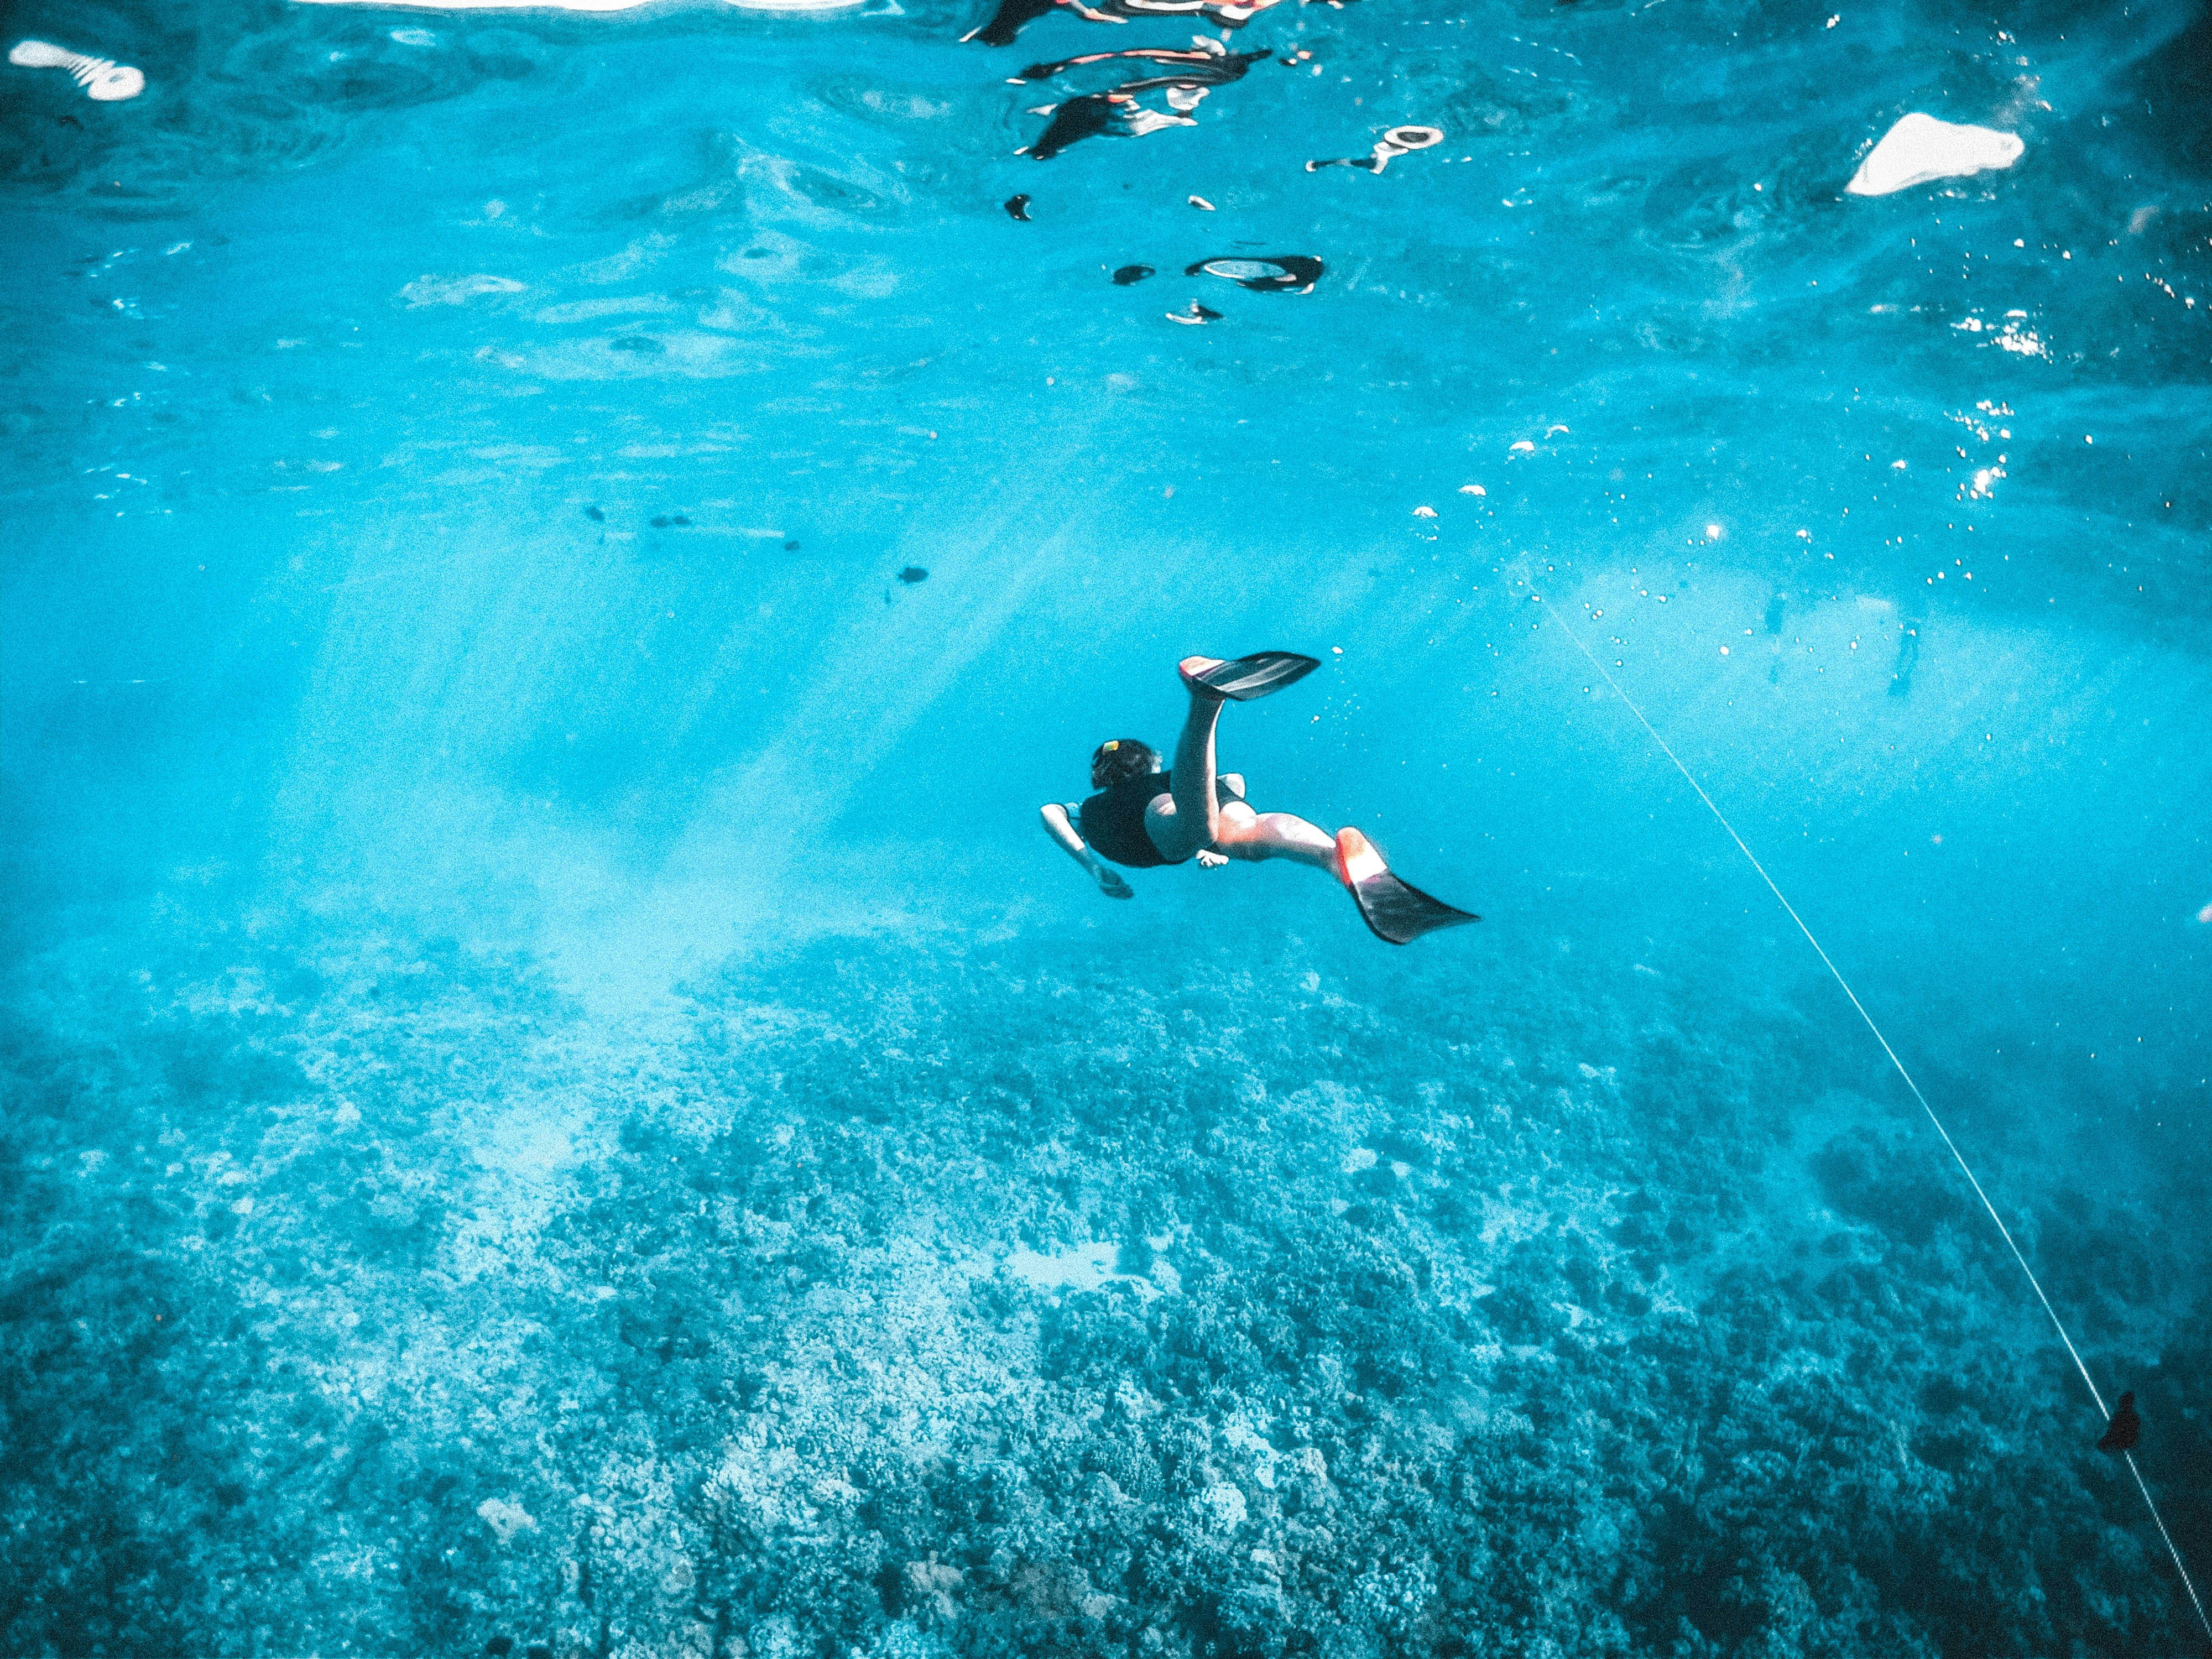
1062	831
1082	10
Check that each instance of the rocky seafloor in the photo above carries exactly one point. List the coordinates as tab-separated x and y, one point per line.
899	1295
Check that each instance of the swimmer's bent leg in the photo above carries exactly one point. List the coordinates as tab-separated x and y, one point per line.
1245	834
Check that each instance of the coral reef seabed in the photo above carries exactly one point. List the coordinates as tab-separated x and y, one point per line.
905	1298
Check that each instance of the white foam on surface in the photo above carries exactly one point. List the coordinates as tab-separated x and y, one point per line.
456	290
104	80
1920	149
2012	335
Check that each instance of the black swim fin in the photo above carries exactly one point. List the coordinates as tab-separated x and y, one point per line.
1013	14
1395	911
1259	675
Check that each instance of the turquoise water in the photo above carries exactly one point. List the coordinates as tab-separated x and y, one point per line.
556	1093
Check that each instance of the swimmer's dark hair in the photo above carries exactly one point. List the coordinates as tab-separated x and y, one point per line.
1120	759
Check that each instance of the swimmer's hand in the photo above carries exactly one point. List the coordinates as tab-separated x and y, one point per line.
1113	886
1210	859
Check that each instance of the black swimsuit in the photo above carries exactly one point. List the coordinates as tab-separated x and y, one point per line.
1113	821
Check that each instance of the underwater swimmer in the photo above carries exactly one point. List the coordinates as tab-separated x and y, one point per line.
1144	817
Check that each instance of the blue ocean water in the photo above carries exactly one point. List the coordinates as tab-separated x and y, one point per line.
555	1093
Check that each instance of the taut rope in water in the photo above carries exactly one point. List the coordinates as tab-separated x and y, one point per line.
2003	1232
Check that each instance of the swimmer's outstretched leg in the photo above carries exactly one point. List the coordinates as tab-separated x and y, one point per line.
1193	819
1198	822
1189	821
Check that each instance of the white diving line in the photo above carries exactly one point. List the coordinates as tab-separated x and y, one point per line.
2004	1232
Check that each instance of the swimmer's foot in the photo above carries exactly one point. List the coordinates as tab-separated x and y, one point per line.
1194	670
1394	911
1244	678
